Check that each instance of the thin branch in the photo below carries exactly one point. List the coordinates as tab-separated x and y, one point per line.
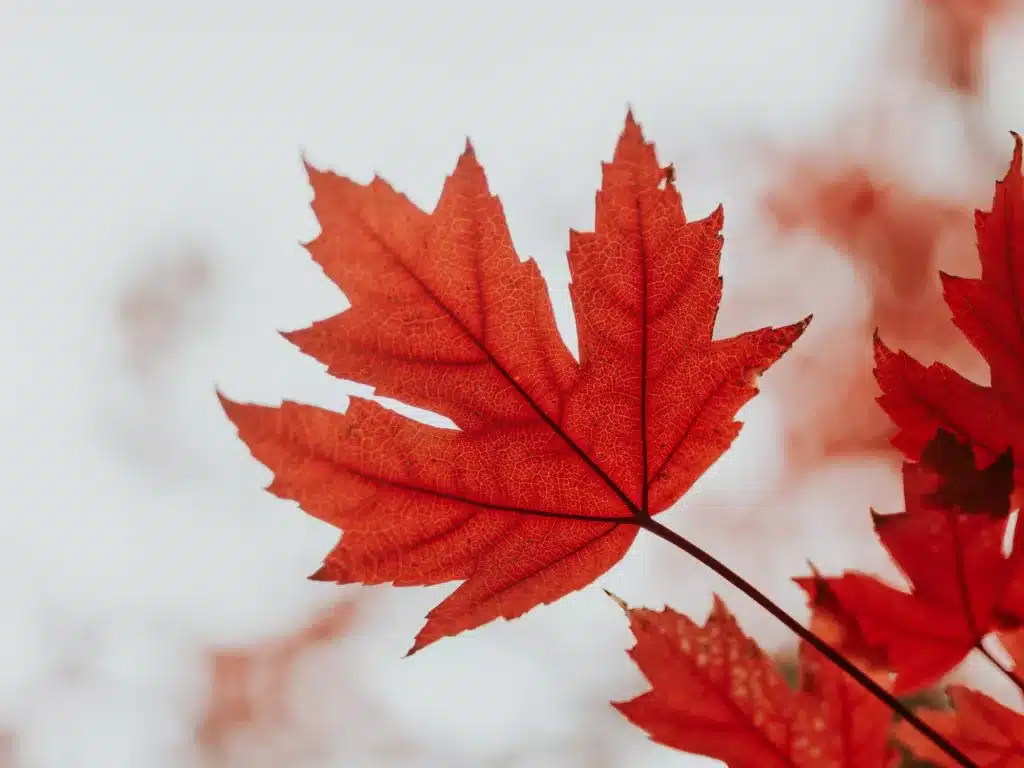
680	542
972	625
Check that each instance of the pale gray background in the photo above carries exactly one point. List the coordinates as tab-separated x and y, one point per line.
134	529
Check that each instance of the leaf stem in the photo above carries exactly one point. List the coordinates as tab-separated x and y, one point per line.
699	554
972	625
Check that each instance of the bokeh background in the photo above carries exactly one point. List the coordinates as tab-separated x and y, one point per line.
152	204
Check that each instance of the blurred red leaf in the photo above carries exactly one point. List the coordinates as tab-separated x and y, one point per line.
990	312
888	232
250	687
154	309
893	237
955	35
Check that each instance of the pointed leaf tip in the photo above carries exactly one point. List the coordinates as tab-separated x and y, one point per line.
718	607
228	405
312	172
322	574
1014	168
717	217
881	349
468	162
632	128
619	601
293	337
413	650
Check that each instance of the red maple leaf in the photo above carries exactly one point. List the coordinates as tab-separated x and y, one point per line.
955	38
959	485
888	232
894	238
555	463
836	624
714	692
155	309
949	546
987	732
990	312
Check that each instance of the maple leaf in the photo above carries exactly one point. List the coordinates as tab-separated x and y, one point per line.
837	625
960	484
714	692
949	546
990	734
955	38
893	237
888	232
155	309
249	687
990	312
555	463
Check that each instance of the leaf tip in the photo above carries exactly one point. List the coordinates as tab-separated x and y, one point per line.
1015	163
312	172
878	520
881	351
322	573
412	651
716	220
800	581
468	171
718	607
293	337
632	130
468	159
229	406
1013	171
618	600
423	639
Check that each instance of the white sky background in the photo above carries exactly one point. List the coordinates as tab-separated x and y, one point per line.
134	528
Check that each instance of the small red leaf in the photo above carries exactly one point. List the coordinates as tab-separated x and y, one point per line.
983	729
949	545
714	692
955	38
893	237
